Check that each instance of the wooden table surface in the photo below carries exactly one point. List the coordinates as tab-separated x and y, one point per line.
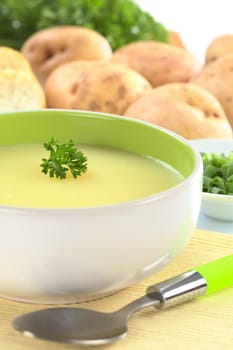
205	323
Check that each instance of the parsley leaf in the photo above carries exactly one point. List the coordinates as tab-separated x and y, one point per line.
63	158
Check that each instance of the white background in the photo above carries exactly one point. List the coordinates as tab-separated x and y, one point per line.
197	21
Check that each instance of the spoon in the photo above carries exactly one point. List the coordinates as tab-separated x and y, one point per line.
87	327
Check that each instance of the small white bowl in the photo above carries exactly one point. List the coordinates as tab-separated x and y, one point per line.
217	206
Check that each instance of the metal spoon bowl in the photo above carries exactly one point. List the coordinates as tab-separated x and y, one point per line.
87	327
80	326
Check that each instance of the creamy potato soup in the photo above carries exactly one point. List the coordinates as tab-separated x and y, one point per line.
113	176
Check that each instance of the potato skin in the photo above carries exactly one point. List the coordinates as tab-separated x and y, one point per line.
48	48
61	87
159	63
220	46
217	78
95	86
174	38
184	108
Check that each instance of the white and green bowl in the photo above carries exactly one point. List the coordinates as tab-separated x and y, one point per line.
69	255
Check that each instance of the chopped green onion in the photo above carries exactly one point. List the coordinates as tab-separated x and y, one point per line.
218	173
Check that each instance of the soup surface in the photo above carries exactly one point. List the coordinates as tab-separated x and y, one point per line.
113	176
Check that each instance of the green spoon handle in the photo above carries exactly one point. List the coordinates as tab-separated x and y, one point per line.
204	279
218	273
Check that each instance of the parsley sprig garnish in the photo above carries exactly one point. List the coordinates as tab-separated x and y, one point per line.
63	158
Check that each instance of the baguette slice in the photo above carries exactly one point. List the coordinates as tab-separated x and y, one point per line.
20	90
10	58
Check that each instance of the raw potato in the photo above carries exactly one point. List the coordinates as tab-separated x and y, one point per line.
49	48
174	38
184	108
159	63
220	46
95	86
62	86
217	78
